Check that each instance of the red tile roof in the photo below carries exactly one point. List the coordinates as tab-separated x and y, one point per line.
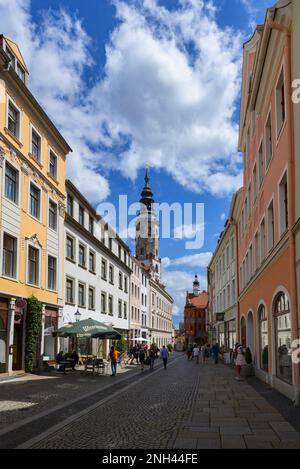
200	301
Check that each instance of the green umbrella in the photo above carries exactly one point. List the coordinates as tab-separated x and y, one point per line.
87	328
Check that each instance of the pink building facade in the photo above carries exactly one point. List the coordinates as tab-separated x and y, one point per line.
267	309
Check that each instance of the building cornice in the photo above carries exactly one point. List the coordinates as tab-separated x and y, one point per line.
24	92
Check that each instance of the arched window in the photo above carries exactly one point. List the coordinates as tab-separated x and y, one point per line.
243	332
283	337
263	338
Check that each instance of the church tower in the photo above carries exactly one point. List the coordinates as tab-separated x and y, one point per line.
147	231
196	286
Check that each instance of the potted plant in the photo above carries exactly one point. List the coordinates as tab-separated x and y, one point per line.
248	368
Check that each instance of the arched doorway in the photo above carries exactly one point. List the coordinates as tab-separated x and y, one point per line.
283	337
243	332
250	334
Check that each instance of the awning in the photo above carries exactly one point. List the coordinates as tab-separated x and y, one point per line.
87	328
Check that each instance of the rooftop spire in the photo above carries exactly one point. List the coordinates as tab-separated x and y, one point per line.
147	194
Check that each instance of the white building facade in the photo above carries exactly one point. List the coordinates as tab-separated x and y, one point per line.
97	267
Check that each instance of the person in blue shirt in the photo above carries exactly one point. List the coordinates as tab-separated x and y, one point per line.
164	354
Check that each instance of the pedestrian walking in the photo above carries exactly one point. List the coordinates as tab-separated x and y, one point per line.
215	352
203	353
239	362
164	353
113	357
196	353
142	357
152	358
190	352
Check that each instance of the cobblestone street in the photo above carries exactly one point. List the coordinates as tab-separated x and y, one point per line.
188	406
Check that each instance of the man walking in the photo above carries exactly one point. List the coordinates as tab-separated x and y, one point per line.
113	357
196	352
216	351
164	354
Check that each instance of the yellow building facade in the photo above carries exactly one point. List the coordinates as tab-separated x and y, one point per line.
32	207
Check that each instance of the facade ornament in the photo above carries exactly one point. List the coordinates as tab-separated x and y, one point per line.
34	239
2	156
25	168
61	209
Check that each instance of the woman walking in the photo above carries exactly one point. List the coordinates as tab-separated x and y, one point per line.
239	362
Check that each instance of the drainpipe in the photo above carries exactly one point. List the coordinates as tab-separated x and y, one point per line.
291	193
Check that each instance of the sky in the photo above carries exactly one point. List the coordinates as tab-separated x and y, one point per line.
136	82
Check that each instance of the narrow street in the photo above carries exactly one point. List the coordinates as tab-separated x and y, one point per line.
187	406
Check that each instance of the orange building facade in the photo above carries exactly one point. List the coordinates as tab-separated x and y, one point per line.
267	311
195	316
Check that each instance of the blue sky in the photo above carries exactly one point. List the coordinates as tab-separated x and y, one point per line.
136	81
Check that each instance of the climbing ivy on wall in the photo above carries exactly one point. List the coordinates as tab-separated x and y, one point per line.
33	327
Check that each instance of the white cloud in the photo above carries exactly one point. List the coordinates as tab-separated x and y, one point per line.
168	96
200	260
223	217
188	231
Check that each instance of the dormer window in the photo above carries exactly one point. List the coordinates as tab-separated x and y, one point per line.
16	65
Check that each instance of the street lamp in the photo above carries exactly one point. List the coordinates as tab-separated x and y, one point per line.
77	315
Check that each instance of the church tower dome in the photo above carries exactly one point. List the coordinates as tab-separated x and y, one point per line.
196	286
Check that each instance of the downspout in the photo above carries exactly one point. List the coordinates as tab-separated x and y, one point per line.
291	191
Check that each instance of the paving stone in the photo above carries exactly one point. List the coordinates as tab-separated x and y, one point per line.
212	443
254	443
233	442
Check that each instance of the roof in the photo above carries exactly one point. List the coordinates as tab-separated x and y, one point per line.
200	301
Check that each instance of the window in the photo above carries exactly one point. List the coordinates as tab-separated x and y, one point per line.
11	183
35	201
33	265
263	338
9	261
283	205
269	147
120	281
270	226
283	338
70	247
111	274
53	165
120	251
35	145
81	294
70	290
52	215
81	259
254	184
233	292
91	225
280	103
70	205
110	243
51	273
110	306
91	298
260	166
262	241
256	253
11	57
20	72
104	270
92	261
126	284
120	308
125	310
81	216
103	303
13	123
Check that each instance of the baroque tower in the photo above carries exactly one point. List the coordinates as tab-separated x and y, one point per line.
147	229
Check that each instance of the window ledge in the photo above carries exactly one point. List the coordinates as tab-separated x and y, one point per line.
82	267
70	303
7	131
92	272
53	178
35	160
71	260
12	279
